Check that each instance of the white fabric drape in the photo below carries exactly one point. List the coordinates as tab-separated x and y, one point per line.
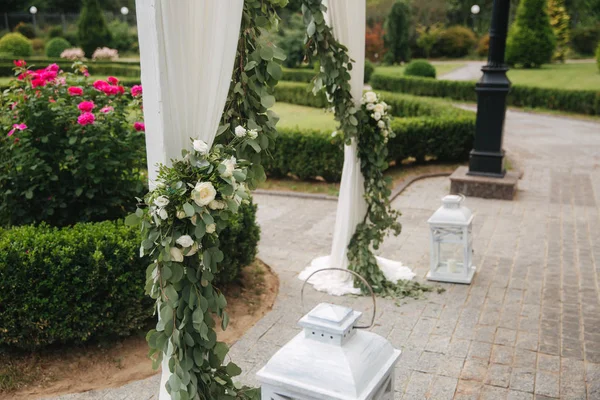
347	18
187	50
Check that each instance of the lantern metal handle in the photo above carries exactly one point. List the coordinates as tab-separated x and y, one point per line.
356	275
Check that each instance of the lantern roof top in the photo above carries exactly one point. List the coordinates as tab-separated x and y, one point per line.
330	319
452	212
328	370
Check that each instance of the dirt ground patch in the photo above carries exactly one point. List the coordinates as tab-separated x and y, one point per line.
90	367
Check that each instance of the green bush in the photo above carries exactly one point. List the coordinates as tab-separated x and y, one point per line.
369	69
397	34
63	165
56	46
55	31
298	75
456	41
86	282
92	29
68	285
420	68
579	101
122	36
598	57
530	41
25	29
483	47
428	127
16	45
585	39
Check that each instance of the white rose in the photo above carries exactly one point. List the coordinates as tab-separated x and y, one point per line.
371	97
161	201
379	108
201	146
211	228
381	124
253	134
194	219
384	104
216	205
229	164
240	131
163	214
185	241
193	250
203	193
176	254
376	116
181	214
370	106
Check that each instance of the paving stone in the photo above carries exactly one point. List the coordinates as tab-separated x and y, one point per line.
505	336
522	379
419	384
480	350
442	388
498	375
547	384
502	354
493	393
438	344
451	366
468	390
514	395
474	370
547	362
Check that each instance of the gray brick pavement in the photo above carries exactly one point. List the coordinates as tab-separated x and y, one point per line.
529	325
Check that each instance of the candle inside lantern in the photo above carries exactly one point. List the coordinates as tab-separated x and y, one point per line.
452	265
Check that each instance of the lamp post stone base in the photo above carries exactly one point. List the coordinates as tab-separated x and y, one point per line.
505	188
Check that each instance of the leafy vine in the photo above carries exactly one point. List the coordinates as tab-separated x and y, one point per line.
194	199
361	125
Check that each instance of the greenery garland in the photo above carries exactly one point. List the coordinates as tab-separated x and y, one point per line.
371	129
192	203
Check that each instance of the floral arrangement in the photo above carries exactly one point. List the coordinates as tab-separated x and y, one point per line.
70	149
370	126
105	53
73	54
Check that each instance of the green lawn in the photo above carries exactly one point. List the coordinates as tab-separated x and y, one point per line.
440	69
562	76
293	116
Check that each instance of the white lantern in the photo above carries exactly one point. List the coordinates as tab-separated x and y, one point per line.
331	360
450	230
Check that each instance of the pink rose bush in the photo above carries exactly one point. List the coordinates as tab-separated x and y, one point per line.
70	141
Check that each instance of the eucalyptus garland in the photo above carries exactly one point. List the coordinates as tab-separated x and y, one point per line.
371	129
194	200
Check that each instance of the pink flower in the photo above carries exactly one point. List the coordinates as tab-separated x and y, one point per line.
19	63
100	85
48	75
121	89
19	127
86	118
53	67
86	73
136	90
110	90
112	80
107	109
86	106
139	126
38	82
75	91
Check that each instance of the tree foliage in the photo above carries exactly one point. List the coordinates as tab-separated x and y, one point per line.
397	33
531	41
92	29
560	21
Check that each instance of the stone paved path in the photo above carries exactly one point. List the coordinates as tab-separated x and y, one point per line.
529	325
470	72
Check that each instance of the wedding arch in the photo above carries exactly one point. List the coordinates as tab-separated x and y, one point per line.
208	79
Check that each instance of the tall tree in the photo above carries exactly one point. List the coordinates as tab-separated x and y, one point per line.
397	33
560	21
92	30
531	41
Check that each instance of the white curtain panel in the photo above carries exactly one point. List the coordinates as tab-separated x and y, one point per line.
347	19
187	50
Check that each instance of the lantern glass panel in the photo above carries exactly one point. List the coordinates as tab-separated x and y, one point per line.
451	257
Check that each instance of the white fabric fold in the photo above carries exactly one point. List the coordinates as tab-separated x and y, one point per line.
347	19
187	50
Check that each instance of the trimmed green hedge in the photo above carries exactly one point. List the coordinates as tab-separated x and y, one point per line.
579	101
75	284
426	128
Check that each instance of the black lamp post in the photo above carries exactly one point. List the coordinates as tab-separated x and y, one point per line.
487	156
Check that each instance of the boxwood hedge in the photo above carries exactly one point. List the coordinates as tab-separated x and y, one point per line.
425	128
578	101
75	284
